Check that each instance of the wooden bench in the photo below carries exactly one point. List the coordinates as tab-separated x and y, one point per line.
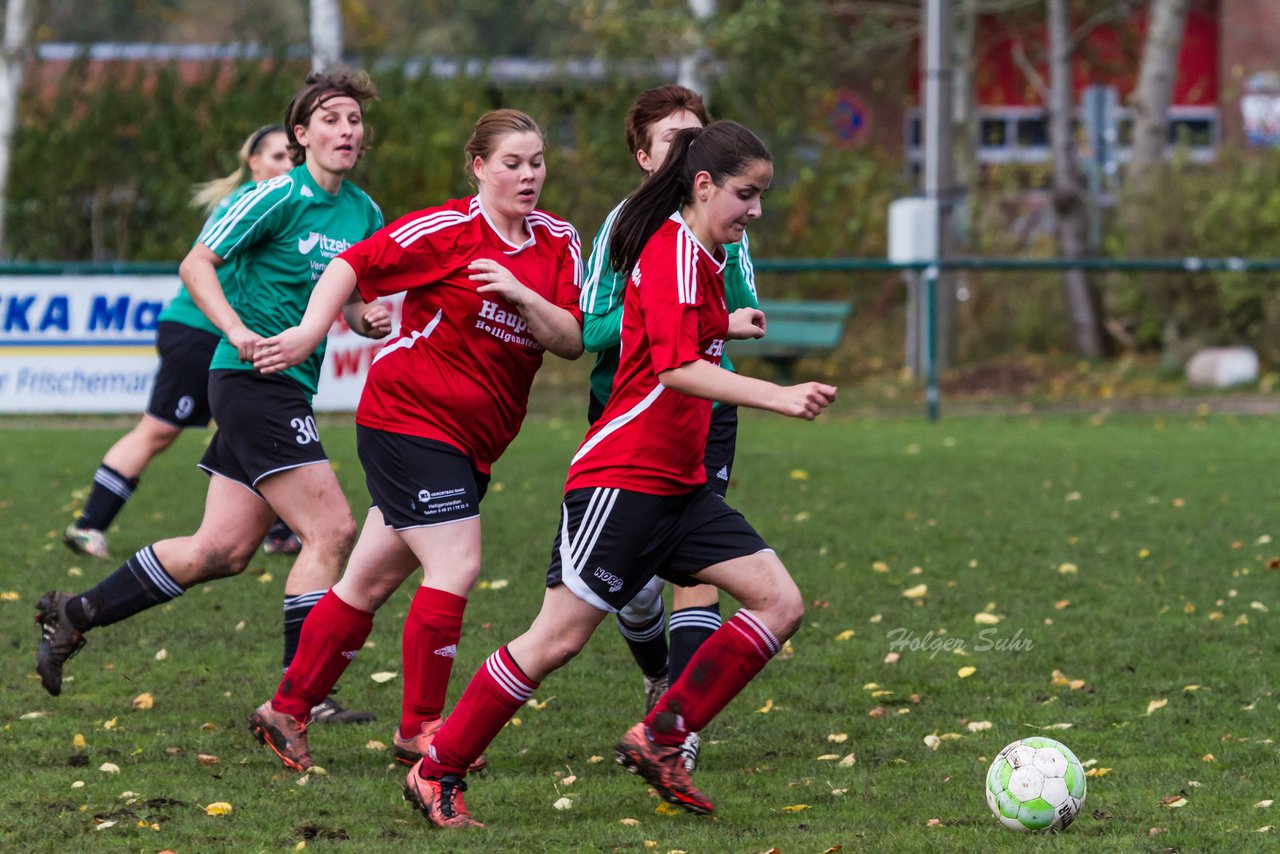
794	329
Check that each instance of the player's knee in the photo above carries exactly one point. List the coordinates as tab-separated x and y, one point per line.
645	606
331	536
223	559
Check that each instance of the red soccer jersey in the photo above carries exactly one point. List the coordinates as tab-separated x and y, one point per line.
461	368
649	438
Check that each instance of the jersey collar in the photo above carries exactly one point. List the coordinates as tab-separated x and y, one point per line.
718	258
515	248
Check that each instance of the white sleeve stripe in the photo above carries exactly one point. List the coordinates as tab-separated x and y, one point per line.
563	230
619	422
218	231
411	339
411	231
593	277
748	269
508	681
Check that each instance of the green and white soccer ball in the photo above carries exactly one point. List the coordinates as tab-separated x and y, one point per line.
1036	784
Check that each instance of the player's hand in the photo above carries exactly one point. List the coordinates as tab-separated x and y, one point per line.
498	280
746	323
377	320
291	347
245	340
805	400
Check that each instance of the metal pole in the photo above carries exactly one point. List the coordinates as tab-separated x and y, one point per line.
931	342
937	120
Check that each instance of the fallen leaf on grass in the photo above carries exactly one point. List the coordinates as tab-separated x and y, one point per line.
563	804
218	808
766	708
828	757
144	700
881	566
206	759
838	737
78	784
916	592
665	808
109	768
799	474
845	635
849	761
383	676
932	742
78	742
966	671
1155	705
1262	805
1097	772
629	822
983	618
374	744
892	658
795	808
111	724
979	726
9	596
30	716
1173	802
595	760
934	822
103	825
162	654
1068	568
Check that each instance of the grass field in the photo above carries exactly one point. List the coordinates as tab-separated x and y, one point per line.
1130	553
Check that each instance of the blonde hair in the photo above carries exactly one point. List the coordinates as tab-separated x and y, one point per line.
207	195
490	128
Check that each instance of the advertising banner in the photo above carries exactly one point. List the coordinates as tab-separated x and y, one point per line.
76	343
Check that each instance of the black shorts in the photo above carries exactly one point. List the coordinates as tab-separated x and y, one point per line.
180	395
265	426
722	440
418	482
612	541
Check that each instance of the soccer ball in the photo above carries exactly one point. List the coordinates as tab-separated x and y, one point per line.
1036	784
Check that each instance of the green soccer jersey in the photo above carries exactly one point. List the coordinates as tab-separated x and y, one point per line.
282	235
182	308
603	290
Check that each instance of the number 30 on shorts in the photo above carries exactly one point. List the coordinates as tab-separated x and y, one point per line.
307	432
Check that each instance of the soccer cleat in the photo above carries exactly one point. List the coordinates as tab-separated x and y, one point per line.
59	640
689	749
330	711
654	688
286	737
409	750
86	541
440	801
287	545
662	766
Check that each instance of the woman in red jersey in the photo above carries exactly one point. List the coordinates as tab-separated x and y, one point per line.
490	283
636	500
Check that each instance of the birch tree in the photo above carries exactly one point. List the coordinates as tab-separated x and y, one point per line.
1166	22
326	34
18	15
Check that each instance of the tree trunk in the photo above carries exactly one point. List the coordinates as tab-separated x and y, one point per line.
696	60
326	34
13	59
1071	228
1151	98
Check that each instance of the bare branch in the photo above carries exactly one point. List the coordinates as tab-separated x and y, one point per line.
1113	12
1033	77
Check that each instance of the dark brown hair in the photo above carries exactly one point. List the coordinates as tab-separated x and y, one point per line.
722	149
318	88
653	105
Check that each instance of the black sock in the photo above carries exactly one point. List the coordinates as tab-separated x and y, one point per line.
648	644
296	609
689	628
106	499
279	530
140	583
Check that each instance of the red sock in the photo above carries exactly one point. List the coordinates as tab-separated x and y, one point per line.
494	694
331	636
718	671
429	644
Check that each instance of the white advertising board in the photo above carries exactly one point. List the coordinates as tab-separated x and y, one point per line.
87	344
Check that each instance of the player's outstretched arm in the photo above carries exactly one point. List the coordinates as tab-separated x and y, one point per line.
705	380
293	345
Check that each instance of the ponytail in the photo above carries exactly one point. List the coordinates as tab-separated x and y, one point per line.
663	193
208	194
721	149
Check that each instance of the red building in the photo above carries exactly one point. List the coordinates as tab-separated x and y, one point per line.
1226	94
